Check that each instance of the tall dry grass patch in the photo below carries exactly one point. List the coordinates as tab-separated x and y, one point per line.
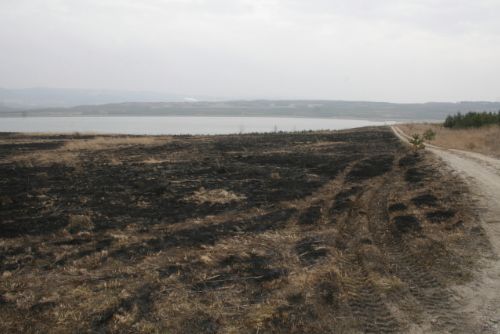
102	143
69	153
484	140
214	196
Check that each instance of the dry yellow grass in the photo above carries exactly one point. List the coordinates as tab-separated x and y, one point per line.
102	143
214	196
80	222
46	158
68	153
485	140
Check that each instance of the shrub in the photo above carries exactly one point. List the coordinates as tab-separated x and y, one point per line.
429	135
417	142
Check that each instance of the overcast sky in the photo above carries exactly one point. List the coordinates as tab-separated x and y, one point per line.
384	50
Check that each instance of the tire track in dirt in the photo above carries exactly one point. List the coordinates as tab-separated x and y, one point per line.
432	295
367	304
369	308
480	299
436	302
431	298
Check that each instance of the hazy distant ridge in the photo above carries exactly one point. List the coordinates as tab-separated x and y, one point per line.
34	98
276	108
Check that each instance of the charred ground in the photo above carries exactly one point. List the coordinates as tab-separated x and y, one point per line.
313	232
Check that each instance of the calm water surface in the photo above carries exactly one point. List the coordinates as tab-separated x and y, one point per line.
176	125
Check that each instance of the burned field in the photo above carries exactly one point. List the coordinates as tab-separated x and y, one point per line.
314	232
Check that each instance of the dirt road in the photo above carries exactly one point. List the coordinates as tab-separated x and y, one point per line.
481	299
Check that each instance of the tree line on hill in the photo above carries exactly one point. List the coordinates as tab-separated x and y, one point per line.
472	119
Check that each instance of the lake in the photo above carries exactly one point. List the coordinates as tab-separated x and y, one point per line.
176	125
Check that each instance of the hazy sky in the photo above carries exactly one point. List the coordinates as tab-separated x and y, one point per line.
384	50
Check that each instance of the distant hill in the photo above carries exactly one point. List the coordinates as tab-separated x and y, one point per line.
276	108
4	108
33	98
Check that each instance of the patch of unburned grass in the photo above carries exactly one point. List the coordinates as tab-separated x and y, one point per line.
484	140
104	142
214	196
77	223
69	153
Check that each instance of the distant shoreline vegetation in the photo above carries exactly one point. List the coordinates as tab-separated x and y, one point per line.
472	120
376	111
